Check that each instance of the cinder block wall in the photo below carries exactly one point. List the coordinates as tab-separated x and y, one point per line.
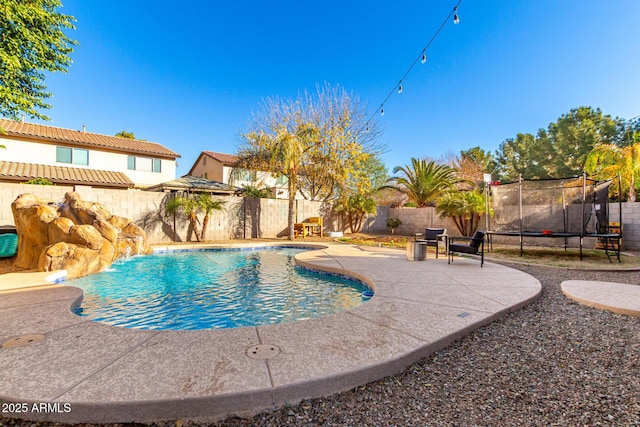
267	218
250	218
630	223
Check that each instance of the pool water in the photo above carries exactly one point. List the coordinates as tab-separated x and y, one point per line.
214	289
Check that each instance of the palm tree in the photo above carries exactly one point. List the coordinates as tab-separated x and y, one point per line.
423	182
607	161
464	207
125	134
207	205
189	206
356	208
281	152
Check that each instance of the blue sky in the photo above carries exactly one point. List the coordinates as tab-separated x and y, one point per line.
189	75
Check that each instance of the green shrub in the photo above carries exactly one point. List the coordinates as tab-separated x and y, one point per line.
393	223
39	181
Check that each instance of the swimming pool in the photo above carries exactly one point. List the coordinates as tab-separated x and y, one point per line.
210	289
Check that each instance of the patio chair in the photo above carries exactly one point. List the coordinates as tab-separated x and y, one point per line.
475	245
8	245
433	237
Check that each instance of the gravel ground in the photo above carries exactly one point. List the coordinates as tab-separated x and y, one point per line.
555	362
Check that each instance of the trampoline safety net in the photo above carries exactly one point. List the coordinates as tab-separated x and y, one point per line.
551	204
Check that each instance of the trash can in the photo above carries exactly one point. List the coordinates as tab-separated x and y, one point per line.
417	251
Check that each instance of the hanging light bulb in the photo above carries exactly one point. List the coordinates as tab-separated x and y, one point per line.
456	19
424	57
400	88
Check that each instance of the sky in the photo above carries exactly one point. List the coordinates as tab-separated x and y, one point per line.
190	75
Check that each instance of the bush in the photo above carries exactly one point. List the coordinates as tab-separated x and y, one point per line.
257	193
39	181
393	223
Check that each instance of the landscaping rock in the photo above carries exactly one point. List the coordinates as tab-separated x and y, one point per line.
77	236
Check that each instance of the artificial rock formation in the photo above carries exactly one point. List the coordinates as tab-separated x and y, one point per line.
77	236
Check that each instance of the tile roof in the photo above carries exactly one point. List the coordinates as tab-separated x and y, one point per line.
14	171
190	182
85	139
225	159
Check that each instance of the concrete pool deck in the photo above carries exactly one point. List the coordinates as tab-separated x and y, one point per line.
60	367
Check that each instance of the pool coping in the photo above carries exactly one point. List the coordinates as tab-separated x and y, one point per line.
83	371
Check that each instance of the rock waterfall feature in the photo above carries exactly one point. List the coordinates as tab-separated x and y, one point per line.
78	236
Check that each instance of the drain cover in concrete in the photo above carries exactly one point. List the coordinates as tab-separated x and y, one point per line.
22	341
263	351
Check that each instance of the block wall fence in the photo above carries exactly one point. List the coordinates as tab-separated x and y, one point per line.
241	218
415	220
246	218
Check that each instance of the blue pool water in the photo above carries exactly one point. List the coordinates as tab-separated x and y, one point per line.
214	289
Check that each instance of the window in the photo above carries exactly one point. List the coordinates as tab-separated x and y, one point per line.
144	164
78	156
206	176
281	180
64	155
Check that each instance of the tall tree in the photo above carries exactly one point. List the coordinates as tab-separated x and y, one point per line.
559	151
472	164
320	143
607	161
423	182
574	135
523	155
32	42
280	149
346	141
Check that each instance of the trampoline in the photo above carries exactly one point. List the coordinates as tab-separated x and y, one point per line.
565	208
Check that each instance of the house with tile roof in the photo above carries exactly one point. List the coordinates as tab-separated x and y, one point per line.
218	167
77	157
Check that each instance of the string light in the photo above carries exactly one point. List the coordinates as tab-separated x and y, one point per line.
422	57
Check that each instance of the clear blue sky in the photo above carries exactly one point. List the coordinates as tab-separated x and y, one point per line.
188	75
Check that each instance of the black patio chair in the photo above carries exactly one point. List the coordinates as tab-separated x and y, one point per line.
475	245
433	236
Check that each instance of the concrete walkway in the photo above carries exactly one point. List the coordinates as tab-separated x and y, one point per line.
619	298
60	367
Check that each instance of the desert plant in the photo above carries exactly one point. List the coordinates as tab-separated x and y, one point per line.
207	205
393	223
464	208
189	207
355	208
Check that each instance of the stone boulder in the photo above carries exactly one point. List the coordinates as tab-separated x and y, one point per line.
77	236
